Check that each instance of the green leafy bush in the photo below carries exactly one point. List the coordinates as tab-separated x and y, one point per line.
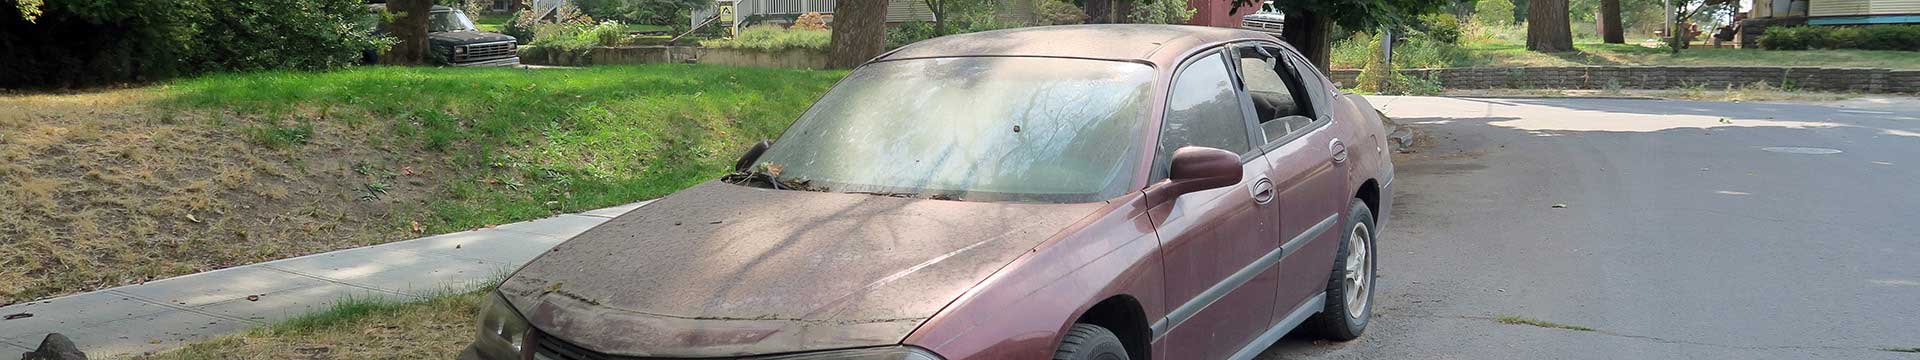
1493	12
1161	12
578	36
1414	53
774	38
1441	27
912	32
1876	37
76	43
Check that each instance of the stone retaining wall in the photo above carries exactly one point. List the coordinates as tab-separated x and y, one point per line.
791	59
1665	77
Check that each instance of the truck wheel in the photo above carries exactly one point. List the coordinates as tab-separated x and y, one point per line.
1350	288
1090	342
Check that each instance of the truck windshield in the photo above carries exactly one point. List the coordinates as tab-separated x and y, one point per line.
976	129
444	21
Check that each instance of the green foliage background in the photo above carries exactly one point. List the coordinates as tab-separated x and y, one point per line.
75	43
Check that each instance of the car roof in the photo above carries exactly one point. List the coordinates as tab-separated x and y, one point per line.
1154	44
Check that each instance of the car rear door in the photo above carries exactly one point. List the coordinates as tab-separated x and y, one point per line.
1215	243
1307	172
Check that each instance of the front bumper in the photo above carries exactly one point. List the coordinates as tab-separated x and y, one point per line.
506	61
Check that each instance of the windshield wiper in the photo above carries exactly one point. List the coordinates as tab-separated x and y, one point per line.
906	195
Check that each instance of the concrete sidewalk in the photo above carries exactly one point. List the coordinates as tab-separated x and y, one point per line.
164	314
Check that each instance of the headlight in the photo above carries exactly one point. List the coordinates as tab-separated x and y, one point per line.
881	353
460	49
503	333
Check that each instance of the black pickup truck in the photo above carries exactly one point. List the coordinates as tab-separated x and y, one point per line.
454	41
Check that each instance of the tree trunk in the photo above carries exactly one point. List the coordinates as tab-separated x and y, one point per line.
1100	11
1123	11
1310	33
1548	29
859	33
1610	31
411	29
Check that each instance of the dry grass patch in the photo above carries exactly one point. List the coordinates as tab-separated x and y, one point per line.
438	328
104	189
120	187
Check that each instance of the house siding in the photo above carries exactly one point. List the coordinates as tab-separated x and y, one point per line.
1819	8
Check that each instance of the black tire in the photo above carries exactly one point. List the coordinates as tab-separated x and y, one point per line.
1333	322
1090	342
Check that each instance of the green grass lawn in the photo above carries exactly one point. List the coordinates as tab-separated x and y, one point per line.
1505	47
212	172
539	142
492	22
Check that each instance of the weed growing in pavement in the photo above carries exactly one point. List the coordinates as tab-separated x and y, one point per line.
1517	320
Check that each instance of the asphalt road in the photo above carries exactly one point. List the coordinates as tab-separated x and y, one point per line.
1680	235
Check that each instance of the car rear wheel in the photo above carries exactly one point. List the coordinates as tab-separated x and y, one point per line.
1090	342
1350	288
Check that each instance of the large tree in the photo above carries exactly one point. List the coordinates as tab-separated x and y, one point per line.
1609	22
859	32
410	28
1309	22
1547	26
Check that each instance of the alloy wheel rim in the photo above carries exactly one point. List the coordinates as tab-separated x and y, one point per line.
1358	276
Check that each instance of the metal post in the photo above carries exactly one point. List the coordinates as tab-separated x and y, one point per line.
1386	46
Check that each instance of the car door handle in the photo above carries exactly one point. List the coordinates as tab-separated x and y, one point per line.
1339	150
1262	191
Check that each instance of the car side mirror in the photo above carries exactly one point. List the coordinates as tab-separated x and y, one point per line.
753	154
1195	168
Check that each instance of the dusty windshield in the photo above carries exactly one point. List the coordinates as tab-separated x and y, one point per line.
977	129
444	21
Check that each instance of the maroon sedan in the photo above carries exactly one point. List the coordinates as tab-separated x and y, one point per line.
1075	192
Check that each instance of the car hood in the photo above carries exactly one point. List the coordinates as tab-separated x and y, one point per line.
727	270
467	37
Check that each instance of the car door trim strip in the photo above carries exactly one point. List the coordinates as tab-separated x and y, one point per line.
1294	318
1220	289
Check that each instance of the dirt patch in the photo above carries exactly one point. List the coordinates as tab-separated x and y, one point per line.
103	189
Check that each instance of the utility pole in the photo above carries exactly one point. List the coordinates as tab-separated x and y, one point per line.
1673	44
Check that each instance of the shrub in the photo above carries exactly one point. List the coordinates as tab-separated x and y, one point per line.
1875	37
73	43
1493	12
774	38
1377	76
578	36
1162	12
910	32
1354	52
1056	12
1441	27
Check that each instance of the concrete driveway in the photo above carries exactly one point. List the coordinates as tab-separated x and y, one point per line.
1696	230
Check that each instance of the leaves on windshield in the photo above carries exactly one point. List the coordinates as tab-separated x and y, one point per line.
767	175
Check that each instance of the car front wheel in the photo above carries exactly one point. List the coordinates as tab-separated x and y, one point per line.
1090	342
1350	288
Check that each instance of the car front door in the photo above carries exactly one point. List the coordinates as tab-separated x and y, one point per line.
1307	170
1215	243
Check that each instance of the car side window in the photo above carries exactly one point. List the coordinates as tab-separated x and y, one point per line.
1279	96
1202	110
1312	80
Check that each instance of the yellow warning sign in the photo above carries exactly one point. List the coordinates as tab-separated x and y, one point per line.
726	14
